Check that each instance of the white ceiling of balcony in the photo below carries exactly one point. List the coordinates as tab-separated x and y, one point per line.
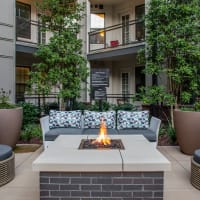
107	2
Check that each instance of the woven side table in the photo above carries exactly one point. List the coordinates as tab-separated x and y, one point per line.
7	164
195	169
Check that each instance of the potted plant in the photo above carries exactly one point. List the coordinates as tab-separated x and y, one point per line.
172	58
10	120
187	127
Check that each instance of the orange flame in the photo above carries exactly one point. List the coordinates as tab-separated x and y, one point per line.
102	137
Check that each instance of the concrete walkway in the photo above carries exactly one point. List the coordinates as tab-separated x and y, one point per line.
177	186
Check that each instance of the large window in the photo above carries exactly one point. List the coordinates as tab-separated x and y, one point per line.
139	14
97	24
23	17
22	76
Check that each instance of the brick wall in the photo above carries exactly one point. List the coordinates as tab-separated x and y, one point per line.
101	186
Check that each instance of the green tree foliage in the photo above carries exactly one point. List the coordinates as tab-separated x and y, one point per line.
173	47
61	63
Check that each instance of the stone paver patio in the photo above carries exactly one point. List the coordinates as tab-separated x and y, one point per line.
25	185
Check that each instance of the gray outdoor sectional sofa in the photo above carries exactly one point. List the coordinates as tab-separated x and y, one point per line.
88	122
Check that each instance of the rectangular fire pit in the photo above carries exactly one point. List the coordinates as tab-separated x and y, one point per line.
99	185
67	172
90	144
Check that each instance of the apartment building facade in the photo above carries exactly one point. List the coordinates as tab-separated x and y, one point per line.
112	34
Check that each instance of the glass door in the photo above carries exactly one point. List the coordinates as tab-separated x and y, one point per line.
125	29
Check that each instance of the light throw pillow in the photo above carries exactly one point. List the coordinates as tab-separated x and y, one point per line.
92	119
132	119
65	119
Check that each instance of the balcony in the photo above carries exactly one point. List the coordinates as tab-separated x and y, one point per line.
120	39
29	34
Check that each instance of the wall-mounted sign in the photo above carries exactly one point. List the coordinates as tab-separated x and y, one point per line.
100	77
100	93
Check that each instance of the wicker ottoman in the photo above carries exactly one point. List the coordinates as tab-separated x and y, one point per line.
195	169
7	164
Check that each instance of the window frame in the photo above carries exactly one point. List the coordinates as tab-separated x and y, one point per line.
23	24
125	92
139	26
99	37
125	28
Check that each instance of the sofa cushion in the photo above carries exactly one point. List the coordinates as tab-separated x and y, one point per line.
95	131
65	119
5	151
92	119
132	119
149	134
52	134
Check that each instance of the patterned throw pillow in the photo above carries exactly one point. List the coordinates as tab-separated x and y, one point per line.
65	119
129	119
92	119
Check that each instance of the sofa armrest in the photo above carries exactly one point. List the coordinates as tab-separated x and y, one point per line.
44	123
155	126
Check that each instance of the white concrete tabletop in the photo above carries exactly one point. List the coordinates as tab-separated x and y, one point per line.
64	155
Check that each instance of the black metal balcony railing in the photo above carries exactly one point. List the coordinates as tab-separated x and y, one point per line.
117	35
30	31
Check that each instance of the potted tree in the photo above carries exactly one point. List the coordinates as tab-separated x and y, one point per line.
172	58
10	120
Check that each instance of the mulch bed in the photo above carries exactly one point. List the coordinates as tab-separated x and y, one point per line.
25	148
31	141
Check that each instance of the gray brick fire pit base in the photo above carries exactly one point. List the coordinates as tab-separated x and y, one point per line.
101	185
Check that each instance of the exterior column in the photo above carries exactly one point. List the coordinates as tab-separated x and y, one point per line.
7	47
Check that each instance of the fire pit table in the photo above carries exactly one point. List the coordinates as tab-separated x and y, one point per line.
70	172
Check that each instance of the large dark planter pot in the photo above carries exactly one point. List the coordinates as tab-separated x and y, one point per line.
10	125
187	128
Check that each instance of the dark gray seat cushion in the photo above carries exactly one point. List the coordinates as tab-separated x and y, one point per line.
5	152
95	131
197	156
150	135
52	134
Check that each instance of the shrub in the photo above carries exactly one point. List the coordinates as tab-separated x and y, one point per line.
50	106
4	100
31	131
171	133
30	113
125	106
88	106
81	105
105	106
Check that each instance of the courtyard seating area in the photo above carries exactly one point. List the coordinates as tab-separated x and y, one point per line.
25	185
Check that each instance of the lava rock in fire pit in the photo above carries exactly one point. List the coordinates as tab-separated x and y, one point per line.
91	144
